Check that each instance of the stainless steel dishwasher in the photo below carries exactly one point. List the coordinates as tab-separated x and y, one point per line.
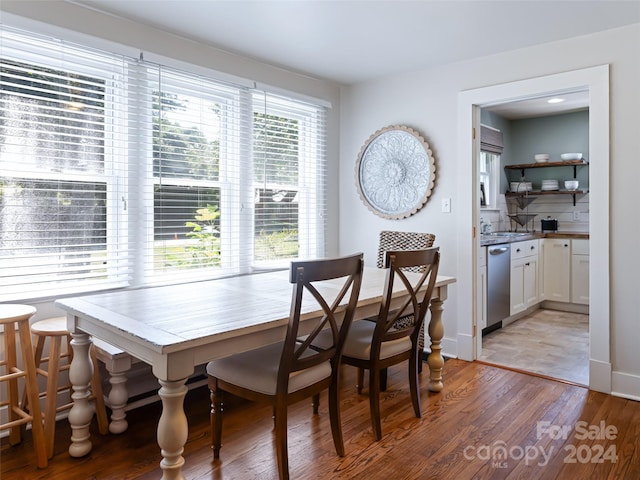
498	285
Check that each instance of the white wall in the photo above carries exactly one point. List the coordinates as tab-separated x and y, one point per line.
427	100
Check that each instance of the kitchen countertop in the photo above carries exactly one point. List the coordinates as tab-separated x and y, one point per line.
494	240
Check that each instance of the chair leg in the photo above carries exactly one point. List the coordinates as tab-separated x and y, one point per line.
217	406
281	439
420	348
316	403
334	416
413	384
360	380
383	380
374	402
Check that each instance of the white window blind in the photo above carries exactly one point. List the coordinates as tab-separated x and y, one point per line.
116	172
63	227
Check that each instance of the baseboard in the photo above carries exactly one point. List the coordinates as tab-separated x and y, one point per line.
600	376
565	307
625	385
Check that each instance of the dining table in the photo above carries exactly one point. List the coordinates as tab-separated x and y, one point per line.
175	328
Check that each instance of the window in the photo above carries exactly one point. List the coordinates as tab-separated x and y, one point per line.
491	147
489	167
118	172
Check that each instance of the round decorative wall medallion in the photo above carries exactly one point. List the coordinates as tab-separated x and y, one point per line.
395	172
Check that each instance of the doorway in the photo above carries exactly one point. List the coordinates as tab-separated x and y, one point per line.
596	81
536	336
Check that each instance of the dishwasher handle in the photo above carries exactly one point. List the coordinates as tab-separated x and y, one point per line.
498	251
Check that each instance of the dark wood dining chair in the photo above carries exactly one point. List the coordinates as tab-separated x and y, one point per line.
292	370
390	339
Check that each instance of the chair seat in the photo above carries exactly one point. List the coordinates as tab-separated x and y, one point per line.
258	370
358	343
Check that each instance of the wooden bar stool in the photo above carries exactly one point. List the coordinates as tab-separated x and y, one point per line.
56	329
12	315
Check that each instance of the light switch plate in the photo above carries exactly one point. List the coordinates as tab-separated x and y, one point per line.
576	216
446	205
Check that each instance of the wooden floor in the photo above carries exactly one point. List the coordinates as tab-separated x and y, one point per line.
488	423
546	342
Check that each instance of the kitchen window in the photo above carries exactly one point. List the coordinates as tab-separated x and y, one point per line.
117	172
491	147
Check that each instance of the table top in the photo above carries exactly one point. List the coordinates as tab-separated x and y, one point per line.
159	321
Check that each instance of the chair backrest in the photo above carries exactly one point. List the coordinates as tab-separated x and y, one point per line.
391	240
418	288
309	295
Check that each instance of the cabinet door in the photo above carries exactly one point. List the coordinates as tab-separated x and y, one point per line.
580	279
530	282
524	284
557	269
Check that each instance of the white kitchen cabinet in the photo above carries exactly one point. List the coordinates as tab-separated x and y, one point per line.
556	254
482	288
580	271
525	290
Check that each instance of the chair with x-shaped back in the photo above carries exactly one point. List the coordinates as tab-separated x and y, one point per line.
294	369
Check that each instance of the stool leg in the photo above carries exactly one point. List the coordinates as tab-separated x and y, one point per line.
15	433
33	395
37	359
51	401
98	396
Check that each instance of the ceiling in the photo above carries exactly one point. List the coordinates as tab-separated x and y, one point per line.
540	107
353	41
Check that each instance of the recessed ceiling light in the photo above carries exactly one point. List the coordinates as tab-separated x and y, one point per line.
555	100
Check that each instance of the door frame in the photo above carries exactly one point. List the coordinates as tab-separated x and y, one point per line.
596	81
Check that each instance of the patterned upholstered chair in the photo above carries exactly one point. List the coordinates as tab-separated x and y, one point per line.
392	240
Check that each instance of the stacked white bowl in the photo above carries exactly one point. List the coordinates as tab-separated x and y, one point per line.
549	185
571	184
541	157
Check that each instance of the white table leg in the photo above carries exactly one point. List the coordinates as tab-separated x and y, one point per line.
81	413
118	397
172	428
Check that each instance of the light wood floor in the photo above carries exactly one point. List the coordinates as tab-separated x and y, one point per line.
547	342
458	437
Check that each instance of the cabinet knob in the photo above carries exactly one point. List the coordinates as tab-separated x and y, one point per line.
566	244
532	247
517	249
